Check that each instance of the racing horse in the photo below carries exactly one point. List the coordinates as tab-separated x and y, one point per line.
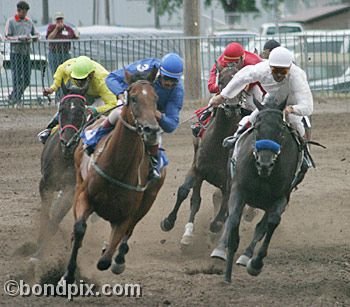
114	183
267	158
209	161
57	164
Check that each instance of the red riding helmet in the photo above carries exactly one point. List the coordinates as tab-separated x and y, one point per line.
233	52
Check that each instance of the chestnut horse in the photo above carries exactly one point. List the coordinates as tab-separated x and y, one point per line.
57	165
114	183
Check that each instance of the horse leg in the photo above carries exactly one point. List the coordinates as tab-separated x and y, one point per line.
259	233
117	233
82	211
46	196
60	208
118	266
182	193
218	221
195	205
255	264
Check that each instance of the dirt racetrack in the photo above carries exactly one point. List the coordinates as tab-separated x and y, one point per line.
309	257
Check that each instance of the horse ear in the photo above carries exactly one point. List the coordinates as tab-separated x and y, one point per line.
258	104
240	63
128	76
256	51
152	75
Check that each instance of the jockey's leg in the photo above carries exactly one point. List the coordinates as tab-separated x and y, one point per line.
297	123
154	173
43	135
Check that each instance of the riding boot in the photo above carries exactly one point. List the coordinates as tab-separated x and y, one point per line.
230	141
301	174
196	128
44	135
154	173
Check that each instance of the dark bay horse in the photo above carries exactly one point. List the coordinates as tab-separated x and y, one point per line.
57	165
115	184
209	161
266	164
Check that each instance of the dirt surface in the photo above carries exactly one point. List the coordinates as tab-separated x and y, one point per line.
309	257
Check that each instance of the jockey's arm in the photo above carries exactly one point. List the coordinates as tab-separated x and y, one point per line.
116	83
303	100
170	118
213	87
107	96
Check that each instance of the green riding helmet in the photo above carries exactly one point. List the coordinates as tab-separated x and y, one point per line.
82	67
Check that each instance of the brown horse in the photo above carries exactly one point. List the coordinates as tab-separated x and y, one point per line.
57	165
209	161
116	184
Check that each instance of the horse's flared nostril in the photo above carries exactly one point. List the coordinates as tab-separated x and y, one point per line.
151	129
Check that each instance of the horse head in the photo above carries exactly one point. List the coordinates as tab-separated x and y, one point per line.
71	117
269	132
141	107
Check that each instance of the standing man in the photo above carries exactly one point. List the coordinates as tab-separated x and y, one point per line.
20	31
59	52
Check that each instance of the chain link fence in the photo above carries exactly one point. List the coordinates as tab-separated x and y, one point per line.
325	57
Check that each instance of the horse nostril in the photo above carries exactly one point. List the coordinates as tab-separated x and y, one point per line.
147	129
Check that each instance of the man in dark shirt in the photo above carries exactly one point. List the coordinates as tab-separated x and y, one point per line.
59	51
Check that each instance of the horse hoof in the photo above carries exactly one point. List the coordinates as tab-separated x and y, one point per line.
186	240
118	268
215	227
65	279
104	264
219	254
166	225
251	270
242	260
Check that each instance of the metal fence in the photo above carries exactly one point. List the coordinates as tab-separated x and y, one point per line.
324	56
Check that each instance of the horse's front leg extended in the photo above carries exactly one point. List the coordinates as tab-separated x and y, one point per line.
236	204
182	193
82	211
117	233
195	205
259	233
255	264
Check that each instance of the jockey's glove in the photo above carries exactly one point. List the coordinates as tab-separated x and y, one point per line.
92	110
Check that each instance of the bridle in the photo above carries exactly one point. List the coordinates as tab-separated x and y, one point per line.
74	139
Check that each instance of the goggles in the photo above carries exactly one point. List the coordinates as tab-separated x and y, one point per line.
166	78
280	70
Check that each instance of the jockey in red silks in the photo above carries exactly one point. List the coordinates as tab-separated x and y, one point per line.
233	53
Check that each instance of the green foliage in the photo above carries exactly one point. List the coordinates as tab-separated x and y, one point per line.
164	6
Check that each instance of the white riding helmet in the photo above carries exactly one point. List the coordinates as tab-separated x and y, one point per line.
280	57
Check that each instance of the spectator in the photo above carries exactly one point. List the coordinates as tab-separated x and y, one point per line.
20	31
59	52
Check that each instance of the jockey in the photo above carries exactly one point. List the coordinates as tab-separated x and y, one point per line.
268	47
169	89
80	71
279	76
233	53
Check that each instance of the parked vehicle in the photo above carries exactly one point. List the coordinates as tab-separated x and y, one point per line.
283	27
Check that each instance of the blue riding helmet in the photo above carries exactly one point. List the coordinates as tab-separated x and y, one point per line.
171	66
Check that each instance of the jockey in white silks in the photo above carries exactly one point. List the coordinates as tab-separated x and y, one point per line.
280	78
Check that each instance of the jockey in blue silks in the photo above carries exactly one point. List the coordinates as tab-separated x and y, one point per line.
169	89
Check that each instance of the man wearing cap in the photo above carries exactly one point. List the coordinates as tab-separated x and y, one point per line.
20	30
59	51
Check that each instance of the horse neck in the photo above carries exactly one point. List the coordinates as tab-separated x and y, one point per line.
223	124
125	147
